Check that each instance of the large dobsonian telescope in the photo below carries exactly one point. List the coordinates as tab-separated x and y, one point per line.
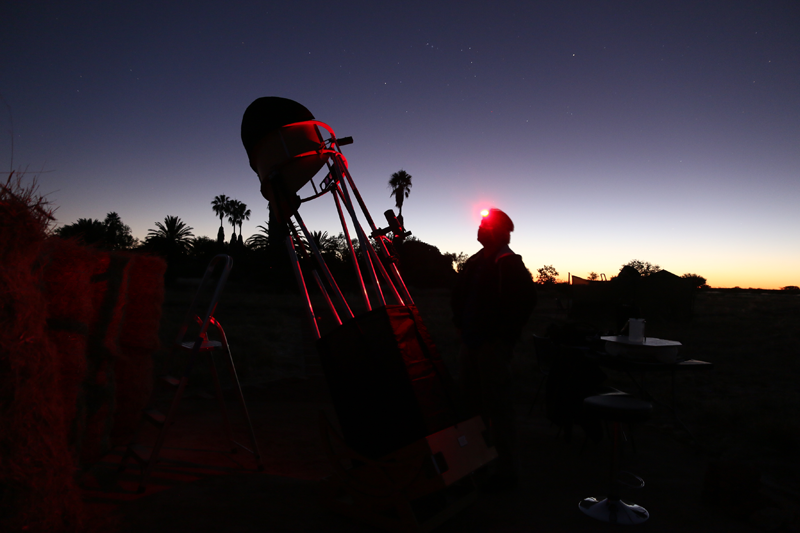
407	452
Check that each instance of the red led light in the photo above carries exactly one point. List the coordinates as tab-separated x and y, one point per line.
485	213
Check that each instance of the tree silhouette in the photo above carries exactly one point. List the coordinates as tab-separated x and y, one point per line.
423	265
87	230
340	247
400	182
328	246
259	241
547	275
233	216
110	234
118	235
173	236
698	281
242	214
459	260
202	247
644	268
220	206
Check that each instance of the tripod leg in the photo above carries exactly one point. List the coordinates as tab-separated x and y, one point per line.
221	400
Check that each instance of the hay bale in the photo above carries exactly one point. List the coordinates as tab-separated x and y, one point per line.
138	341
69	357
37	490
104	313
69	311
97	402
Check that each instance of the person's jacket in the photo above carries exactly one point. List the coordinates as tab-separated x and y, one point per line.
493	298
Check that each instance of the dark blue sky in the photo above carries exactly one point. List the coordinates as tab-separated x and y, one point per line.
667	132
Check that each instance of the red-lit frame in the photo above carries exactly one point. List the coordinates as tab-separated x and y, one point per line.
340	184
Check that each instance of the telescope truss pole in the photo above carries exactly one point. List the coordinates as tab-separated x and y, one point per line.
393	268
321	285
325	270
396	274
352	250
327	298
298	274
373	257
335	173
334	150
340	177
365	247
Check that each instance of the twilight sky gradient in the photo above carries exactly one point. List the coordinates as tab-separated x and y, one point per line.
608	130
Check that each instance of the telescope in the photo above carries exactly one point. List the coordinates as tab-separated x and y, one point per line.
405	436
287	148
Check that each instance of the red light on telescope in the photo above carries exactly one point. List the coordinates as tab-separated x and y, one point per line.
484	213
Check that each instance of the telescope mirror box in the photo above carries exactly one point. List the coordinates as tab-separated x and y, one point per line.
275	157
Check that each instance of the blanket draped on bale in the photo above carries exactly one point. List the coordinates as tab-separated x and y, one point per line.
78	328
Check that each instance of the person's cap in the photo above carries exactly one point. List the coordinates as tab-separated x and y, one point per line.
496	219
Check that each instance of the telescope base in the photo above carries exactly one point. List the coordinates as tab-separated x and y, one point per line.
413	489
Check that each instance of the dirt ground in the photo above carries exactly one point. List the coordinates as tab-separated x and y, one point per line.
200	487
741	453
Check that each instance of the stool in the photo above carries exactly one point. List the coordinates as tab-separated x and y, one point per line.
617	409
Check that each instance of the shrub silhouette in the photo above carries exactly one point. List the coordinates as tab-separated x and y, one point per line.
423	265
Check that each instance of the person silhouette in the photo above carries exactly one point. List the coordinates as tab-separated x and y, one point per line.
492	300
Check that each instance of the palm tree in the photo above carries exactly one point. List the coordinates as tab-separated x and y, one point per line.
340	247
400	182
243	214
325	243
259	241
220	206
171	236
233	216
